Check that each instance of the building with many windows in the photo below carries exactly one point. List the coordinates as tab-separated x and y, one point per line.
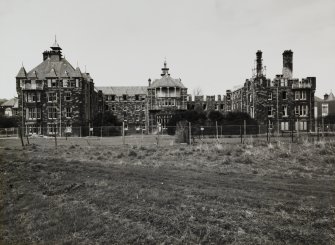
55	96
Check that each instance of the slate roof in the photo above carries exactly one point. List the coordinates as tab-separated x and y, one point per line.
167	81
59	68
331	96
119	91
11	103
22	73
316	98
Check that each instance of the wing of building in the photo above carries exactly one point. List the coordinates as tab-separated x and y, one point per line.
54	95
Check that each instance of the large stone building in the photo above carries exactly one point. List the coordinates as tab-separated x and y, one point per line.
282	103
55	96
129	104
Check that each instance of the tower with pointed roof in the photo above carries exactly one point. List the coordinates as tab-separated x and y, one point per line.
166	95
54	95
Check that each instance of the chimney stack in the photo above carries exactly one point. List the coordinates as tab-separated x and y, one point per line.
149	80
259	65
288	64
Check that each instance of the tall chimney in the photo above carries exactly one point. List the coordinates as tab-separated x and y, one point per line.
149	81
259	65
288	64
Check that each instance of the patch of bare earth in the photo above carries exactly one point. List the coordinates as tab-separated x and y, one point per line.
209	193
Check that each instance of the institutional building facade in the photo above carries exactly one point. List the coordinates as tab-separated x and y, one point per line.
55	96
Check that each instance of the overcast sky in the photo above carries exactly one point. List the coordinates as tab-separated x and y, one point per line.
209	44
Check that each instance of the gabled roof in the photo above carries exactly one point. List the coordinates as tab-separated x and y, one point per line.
167	81
119	91
316	98
22	73
76	73
47	65
331	96
32	74
11	103
52	73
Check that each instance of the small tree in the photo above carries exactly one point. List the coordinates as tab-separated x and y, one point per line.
107	118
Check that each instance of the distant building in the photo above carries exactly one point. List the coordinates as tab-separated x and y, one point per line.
54	95
283	103
129	104
9	108
325	106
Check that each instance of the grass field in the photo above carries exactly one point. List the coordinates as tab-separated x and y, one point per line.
89	192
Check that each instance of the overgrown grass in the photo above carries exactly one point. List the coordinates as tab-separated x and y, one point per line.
215	193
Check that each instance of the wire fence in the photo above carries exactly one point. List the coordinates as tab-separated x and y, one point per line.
118	135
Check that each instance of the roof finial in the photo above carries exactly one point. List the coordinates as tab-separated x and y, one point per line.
165	62
77	64
22	64
55	38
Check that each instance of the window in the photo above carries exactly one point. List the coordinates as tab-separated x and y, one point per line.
269	95
252	112
113	108
53	83
216	107
303	95
284	95
52	97
124	97
324	110
304	109
65	83
301	110
284	125
297	95
204	106
137	97
38	114
300	125
31	113
112	97
67	96
222	106
68	112
283	82
250	98
284	111
52	128
270	124
143	107
270	111
52	112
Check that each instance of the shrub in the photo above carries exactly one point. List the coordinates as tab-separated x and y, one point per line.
132	153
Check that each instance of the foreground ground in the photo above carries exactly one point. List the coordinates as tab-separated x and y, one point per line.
208	193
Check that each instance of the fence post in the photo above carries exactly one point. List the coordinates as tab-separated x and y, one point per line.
189	133
267	132
292	124
217	131
80	132
323	128
245	129
123	139
241	133
259	130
